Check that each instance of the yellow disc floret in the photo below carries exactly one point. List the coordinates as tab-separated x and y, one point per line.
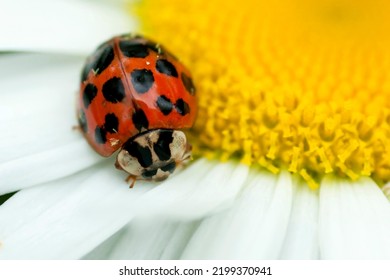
298	84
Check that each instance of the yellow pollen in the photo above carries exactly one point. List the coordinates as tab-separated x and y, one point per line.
296	84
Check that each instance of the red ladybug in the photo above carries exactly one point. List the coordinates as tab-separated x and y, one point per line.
136	96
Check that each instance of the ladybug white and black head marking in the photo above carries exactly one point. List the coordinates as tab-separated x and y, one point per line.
154	154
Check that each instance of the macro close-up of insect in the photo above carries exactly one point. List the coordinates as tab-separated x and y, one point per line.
195	130
136	96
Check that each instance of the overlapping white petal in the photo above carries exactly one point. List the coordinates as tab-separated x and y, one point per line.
147	239
37	110
70	217
61	26
271	219
354	220
301	240
67	218
167	215
254	228
150	239
205	188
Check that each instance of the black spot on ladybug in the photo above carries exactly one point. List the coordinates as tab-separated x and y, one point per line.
111	123
160	50
133	49
182	107
140	120
99	61
130	36
188	84
154	47
100	135
143	154
164	104
165	67
113	90
161	147
83	121
170	167
149	173
89	94
104	57
85	71
142	80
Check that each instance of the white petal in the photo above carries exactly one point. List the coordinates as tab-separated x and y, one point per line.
103	251
179	240
204	188
386	190
354	220
37	110
143	241
147	239
68	218
302	234
38	102
46	166
253	229
159	231
61	25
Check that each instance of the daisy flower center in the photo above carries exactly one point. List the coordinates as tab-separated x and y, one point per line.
300	84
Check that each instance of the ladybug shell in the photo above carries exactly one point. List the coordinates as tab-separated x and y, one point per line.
129	85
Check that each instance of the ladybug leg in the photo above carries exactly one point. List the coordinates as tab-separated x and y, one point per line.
184	161
131	180
187	157
77	128
117	165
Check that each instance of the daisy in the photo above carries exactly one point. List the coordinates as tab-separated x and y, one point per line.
291	141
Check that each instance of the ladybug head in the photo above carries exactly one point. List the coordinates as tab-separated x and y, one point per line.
154	154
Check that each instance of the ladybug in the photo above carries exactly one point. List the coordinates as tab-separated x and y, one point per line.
135	97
